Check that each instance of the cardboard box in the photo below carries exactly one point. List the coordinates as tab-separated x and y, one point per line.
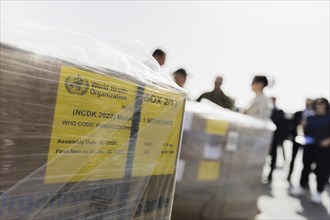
84	141
243	145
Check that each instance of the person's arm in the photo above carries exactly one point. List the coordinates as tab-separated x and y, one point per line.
200	97
326	142
232	104
300	130
248	108
228	103
245	110
297	117
303	126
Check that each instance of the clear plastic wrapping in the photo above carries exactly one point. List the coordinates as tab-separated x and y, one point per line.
87	131
221	162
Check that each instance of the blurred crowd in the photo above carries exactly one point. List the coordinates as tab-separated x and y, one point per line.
307	129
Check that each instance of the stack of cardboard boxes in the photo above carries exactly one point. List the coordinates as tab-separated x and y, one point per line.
82	140
223	154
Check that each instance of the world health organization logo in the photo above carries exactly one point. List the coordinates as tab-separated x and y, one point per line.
76	85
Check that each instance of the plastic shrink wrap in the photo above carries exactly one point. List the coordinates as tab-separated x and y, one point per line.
221	162
87	131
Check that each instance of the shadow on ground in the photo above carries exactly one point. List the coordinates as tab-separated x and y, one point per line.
276	203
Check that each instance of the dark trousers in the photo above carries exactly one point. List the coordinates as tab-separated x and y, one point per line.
320	156
295	149
273	153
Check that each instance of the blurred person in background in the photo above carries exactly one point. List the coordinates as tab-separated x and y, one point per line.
217	95
278	118
160	56
261	105
316	150
296	122
180	77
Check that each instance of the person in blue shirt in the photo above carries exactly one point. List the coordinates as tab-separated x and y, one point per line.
317	131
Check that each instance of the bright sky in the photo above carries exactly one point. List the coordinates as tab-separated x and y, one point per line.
288	41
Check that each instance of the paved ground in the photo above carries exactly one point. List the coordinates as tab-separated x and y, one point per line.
275	203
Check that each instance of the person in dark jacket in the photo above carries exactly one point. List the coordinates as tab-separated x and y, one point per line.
298	118
278	118
217	95
316	150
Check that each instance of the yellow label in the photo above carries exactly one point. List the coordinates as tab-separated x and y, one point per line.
159	132
216	127
91	127
208	170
